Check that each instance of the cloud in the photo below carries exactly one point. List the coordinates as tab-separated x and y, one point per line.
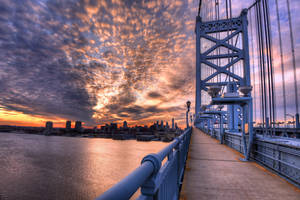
94	61
97	61
154	95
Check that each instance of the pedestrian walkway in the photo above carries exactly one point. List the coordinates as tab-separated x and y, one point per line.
214	171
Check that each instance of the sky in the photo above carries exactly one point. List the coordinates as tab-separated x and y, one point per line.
97	61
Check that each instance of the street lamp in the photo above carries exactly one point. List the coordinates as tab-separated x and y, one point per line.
188	106
292	117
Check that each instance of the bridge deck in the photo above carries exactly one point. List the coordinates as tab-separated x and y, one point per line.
214	171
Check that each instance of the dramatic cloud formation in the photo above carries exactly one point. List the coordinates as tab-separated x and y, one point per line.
97	61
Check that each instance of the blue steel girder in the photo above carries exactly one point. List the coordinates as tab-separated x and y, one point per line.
234	27
223	70
246	104
221	25
221	42
238	53
221	115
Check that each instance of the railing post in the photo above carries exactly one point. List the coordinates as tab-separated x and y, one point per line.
179	149
149	187
221	129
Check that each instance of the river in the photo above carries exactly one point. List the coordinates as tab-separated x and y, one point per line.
53	167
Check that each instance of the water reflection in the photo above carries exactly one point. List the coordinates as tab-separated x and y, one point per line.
39	167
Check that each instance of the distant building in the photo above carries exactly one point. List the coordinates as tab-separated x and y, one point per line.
78	126
68	125
49	125
49	128
173	125
156	125
125	124
162	124
113	126
95	129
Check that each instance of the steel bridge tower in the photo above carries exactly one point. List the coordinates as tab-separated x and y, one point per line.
216	68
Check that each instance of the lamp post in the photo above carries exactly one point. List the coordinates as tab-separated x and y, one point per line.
292	117
188	106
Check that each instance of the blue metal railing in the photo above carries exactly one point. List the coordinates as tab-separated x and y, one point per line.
156	181
281	158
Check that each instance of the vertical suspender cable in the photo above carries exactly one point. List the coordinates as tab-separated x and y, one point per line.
253	66
263	62
219	52
268	60
210	19
227	17
199	8
281	61
293	56
260	64
231	39
260	102
273	94
217	36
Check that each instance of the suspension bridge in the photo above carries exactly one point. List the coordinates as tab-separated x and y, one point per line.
241	144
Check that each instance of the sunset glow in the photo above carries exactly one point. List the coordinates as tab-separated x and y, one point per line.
99	61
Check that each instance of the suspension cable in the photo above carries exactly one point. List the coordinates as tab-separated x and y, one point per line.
199	8
293	55
252	52
254	4
268	61
281	60
260	63
273	95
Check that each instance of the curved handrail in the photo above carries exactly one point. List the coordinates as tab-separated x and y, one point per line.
145	176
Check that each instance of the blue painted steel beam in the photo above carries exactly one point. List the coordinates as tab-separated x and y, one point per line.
297	121
198	67
233	26
246	104
231	100
220	114
222	43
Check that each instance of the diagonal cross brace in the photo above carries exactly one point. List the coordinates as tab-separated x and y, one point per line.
223	70
221	42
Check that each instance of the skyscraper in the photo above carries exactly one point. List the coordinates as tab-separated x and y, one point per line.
78	126
173	125
125	124
49	125
49	128
68	125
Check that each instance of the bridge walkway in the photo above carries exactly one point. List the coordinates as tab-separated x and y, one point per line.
214	171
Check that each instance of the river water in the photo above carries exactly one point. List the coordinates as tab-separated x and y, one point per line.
53	167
